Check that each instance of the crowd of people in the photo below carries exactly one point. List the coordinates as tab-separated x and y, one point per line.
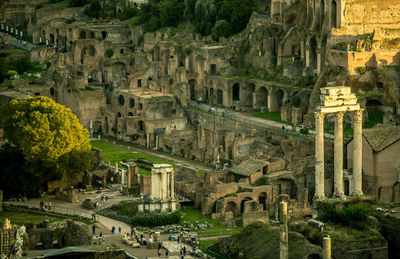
45	205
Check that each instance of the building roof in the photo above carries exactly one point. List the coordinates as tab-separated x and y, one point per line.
248	167
380	138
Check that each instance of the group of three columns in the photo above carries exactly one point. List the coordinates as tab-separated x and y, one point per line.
338	155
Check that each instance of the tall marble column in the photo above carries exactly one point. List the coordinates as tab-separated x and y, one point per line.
357	152
319	156
338	156
327	253
284	233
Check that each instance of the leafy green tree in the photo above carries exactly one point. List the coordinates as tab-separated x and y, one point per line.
188	9
77	3
236	12
94	9
205	12
109	53
170	11
222	28
42	129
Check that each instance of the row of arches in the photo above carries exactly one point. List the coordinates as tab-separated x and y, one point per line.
235	209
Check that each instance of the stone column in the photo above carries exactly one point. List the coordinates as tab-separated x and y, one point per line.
357	153
308	52
122	177
172	185
327	248
129	177
338	156
284	238
319	156
148	140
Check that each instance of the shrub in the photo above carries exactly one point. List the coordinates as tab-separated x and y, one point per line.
156	220
109	53
352	215
304	131
70	20
222	28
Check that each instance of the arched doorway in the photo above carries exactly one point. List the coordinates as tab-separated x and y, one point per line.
220	97
243	202
261	98
82	35
193	84
141	125
262	199
313	53
334	14
236	92
231	206
374	106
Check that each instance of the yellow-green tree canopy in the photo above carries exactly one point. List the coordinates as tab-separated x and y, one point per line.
42	129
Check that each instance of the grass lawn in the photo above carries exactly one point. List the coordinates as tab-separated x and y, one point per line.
19	218
373	119
60	4
206	243
116	153
193	215
131	20
272	116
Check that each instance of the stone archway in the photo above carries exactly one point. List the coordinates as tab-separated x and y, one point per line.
262	199
261	98
141	125
231	206
236	92
334	22
242	203
374	105
82	35
193	86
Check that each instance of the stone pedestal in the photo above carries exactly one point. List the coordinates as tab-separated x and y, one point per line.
327	248
357	153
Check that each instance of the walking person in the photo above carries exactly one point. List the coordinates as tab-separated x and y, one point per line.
94	229
45	205
184	250
49	205
41	204
166	252
159	252
113	230
119	229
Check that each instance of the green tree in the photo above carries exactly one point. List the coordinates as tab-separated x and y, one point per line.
77	3
236	12
94	9
170	11
43	130
205	12
222	28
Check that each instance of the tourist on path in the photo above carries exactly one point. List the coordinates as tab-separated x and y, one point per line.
159	251
119	229
113	230
49	205
41	204
94	229
166	252
45	205
184	250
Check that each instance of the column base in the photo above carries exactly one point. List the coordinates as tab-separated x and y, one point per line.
357	193
340	196
319	198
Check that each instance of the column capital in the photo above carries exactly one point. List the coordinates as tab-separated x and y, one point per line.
319	117
339	115
357	115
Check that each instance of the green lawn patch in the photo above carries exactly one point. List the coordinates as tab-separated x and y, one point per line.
133	20
116	153
19	218
272	116
193	216
206	243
